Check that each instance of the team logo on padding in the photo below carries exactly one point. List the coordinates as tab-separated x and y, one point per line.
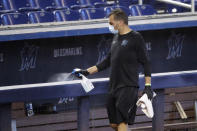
103	48
28	57
175	45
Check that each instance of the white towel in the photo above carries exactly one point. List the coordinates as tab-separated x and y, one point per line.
146	105
86	84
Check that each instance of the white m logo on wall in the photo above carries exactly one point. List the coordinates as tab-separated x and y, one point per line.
175	44
28	57
103	48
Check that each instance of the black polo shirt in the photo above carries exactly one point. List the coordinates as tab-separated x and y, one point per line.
127	52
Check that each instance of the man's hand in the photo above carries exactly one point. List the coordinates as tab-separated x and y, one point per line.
148	91
77	72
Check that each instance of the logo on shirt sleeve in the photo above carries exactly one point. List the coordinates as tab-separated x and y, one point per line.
124	43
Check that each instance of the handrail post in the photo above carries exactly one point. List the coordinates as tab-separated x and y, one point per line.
83	113
140	2
5	117
193	6
195	108
158	107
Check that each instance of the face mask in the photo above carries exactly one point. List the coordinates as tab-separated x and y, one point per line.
112	30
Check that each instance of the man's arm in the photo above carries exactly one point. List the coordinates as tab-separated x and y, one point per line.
147	80
143	58
97	68
101	66
92	70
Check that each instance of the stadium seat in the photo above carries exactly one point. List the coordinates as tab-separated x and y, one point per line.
72	4
47	5
139	10
61	4
127	3
124	3
137	2
95	3
92	13
110	8
16	6
14	18
40	17
67	15
1	5
2	10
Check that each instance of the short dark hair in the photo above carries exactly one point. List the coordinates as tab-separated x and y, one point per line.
119	15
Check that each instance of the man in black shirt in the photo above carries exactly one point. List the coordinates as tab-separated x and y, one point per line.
127	53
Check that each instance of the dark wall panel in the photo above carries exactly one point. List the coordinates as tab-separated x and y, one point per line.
41	60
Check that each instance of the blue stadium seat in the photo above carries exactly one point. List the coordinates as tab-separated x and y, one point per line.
92	13
139	10
61	4
127	3
124	3
137	2
72	4
67	15
95	3
15	5
1	5
2	10
40	17
14	18
110	8
47	5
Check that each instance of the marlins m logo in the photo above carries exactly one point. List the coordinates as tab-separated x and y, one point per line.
103	48
175	45
28	57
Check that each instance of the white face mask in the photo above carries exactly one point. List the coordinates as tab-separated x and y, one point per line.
112	30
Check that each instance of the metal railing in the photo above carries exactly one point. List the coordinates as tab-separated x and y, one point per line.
177	3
